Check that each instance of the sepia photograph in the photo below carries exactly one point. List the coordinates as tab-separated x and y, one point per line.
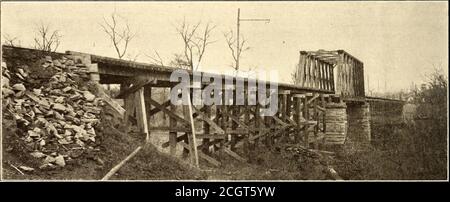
282	91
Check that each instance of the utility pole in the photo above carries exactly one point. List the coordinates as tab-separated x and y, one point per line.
237	37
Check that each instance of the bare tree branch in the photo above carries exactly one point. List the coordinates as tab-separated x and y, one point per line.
120	36
180	62
11	41
231	42
195	44
46	39
132	57
157	59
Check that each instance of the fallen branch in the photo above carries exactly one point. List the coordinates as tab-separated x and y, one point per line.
322	152
10	164
118	166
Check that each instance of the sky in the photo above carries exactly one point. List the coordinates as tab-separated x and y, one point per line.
398	42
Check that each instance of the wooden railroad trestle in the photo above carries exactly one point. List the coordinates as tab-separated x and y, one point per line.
204	130
300	119
321	77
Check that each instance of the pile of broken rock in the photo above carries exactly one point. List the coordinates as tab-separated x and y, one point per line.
55	114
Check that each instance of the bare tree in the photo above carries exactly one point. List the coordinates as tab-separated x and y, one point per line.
195	43
133	57
156	58
119	32
11	41
232	45
294	77
46	39
180	62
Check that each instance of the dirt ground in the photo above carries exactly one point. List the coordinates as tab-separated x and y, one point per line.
114	147
151	164
264	163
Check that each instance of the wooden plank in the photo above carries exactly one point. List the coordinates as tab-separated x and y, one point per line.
108	100
238	131
141	113
306	117
156	110
168	128
118	166
323	102
279	121
234	155
172	134
129	108
321	108
300	71
138	84
191	136
298	96
203	156
316	127
200	115
307	72
147	93
236	120
136	107
211	136
176	139
288	107
168	112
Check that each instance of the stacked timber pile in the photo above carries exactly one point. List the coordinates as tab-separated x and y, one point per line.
54	111
336	123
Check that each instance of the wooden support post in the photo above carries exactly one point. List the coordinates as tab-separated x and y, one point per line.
246	121
187	110
217	120
203	155
297	117
147	94
235	113
138	83
172	134
282	105
142	114
206	129
234	155
327	77
258	119
222	123
129	111
307	72
289	105
306	116
267	139
316	128
333	87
